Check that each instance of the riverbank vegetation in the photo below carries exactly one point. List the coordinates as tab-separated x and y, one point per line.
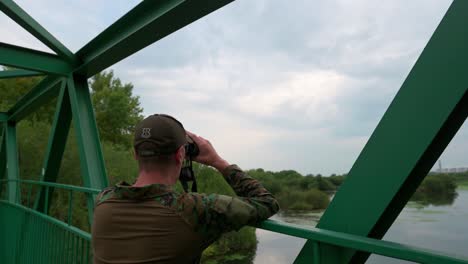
297	192
436	189
461	178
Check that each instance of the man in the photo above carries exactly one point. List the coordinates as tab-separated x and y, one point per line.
148	222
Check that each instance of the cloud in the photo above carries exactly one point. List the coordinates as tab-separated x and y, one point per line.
74	23
13	34
273	84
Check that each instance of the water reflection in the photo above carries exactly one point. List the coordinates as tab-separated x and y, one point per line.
309	218
426	224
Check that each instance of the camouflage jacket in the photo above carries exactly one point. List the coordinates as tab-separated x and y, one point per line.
206	215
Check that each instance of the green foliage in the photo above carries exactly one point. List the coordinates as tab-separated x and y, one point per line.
461	178
325	184
303	200
13	89
233	246
117	110
437	189
32	143
337	180
120	164
294	191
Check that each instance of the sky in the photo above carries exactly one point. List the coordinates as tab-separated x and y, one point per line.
272	84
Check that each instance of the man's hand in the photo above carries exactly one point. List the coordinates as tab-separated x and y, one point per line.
208	154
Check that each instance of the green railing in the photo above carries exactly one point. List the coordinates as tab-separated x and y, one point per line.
35	237
30	236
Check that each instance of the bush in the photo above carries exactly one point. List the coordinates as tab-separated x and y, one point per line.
437	189
303	200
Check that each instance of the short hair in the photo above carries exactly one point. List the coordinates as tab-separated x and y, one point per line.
149	163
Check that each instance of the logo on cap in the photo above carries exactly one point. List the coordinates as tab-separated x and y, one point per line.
146	133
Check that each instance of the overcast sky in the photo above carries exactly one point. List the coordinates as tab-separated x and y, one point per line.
273	84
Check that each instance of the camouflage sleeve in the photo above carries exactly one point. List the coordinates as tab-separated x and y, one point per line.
102	196
214	214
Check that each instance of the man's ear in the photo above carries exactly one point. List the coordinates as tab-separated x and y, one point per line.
180	155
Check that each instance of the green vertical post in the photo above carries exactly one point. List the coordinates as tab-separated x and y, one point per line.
92	166
57	141
425	115
12	163
2	156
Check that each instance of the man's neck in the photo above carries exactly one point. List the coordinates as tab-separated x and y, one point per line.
148	178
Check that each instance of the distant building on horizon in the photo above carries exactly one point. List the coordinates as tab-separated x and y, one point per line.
451	170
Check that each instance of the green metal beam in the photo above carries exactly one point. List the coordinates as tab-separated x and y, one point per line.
18	74
426	113
143	25
2	156
13	192
56	147
16	13
42	93
3	117
93	170
344	240
24	58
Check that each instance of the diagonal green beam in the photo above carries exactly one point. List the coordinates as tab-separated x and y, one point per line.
19	57
93	170
424	116
56	146
148	22
39	95
16	13
18	73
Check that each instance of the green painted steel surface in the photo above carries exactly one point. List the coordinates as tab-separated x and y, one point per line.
12	162
422	119
55	148
2	156
92	166
31	237
348	241
25	226
3	117
67	187
426	113
148	22
18	73
29	59
15	12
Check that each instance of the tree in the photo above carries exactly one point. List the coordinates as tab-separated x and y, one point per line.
11	90
117	110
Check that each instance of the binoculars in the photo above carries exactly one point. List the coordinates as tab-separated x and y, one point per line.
191	149
186	172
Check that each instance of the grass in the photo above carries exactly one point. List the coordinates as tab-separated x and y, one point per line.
462	185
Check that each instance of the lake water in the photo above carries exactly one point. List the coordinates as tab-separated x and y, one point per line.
440	228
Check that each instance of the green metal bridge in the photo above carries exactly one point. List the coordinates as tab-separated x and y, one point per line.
424	116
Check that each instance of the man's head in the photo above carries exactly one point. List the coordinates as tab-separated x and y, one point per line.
159	142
